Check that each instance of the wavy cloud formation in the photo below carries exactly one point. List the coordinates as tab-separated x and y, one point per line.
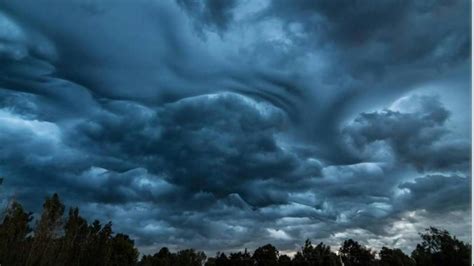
222	126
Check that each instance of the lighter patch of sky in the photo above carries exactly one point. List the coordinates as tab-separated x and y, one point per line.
40	129
278	234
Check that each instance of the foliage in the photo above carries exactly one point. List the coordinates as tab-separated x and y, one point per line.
394	257
316	255
440	248
58	240
354	254
266	256
14	232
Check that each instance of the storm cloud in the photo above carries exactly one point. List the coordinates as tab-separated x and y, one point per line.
222	125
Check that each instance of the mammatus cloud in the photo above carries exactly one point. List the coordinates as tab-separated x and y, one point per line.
283	123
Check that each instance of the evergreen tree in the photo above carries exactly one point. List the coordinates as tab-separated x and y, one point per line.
93	249
14	243
45	245
73	244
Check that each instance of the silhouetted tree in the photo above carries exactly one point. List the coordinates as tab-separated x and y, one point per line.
394	257
354	254
440	248
97	248
299	260
210	262
266	255
163	258
14	230
221	259
240	259
76	233
189	257
123	251
284	260
323	255
319	255
45	245
75	242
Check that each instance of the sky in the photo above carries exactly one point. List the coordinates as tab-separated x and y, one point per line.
224	125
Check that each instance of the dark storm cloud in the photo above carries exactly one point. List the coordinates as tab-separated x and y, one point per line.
222	140
419	137
214	14
377	50
215	143
262	131
385	36
111	64
438	193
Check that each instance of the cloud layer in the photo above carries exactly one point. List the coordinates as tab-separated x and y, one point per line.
222	126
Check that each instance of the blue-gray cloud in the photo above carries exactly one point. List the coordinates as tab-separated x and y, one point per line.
228	125
419	138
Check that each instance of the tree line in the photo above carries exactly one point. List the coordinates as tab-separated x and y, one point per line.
71	240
